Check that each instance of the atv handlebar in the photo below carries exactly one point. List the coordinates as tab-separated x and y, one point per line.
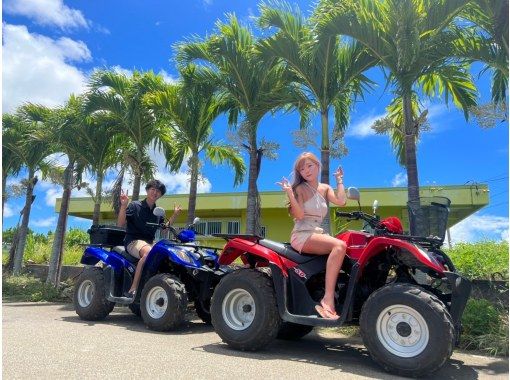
373	221
163	226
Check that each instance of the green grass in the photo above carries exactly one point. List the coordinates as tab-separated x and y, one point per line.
481	261
30	289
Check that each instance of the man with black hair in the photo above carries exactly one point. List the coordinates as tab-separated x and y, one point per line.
140	236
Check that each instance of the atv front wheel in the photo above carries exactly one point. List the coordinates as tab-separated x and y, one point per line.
293	331
89	298
163	302
407	330
244	310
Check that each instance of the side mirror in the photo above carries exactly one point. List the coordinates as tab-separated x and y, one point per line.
375	205
159	211
196	220
353	193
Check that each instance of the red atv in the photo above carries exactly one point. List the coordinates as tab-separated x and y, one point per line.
402	290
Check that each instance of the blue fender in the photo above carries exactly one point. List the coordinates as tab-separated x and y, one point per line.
164	249
93	255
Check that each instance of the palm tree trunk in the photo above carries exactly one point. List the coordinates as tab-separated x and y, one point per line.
413	186
253	202
57	250
99	198
326	223
192	200
23	229
136	186
4	192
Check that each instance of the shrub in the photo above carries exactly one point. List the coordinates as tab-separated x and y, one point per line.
485	327
482	261
76	237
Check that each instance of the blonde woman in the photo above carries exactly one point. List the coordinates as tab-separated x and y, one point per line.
307	205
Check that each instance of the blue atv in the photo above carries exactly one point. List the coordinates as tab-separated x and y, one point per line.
176	271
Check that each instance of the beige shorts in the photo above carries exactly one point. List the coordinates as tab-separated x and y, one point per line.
299	238
135	247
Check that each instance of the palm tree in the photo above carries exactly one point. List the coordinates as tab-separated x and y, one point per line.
123	99
101	149
191	107
488	41
11	153
65	126
249	86
416	42
30	120
330	71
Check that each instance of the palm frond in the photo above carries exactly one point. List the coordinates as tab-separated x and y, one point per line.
219	154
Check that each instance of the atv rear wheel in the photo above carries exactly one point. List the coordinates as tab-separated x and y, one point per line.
244	310
293	331
89	297
407	330
163	302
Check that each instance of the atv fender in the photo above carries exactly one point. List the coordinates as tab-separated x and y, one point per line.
93	255
239	247
378	244
461	289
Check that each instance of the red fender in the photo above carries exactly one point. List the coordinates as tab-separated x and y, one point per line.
237	247
377	244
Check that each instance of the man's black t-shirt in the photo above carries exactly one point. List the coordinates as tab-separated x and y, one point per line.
138	213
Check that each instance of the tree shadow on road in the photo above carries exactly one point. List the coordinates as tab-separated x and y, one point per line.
345	355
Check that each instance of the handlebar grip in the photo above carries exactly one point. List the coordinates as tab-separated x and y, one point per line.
344	214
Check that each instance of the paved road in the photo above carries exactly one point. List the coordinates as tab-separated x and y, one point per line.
44	340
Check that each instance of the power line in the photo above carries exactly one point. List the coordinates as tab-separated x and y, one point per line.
496	176
496	205
498	194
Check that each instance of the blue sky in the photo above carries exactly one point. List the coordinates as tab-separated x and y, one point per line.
50	47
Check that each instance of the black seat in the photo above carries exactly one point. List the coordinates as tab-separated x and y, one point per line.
285	250
121	250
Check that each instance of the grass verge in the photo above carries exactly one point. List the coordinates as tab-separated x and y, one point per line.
30	289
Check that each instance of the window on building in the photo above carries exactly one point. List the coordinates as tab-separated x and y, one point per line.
208	227
201	228
233	227
213	228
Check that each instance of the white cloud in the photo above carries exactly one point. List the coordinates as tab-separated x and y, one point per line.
46	222
168	77
207	3
47	12
479	227
399	180
179	183
52	194
438	116
121	70
362	128
36	68
8	211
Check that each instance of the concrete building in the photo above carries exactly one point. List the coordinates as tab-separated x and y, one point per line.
226	212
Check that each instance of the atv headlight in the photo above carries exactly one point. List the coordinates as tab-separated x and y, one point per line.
183	255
